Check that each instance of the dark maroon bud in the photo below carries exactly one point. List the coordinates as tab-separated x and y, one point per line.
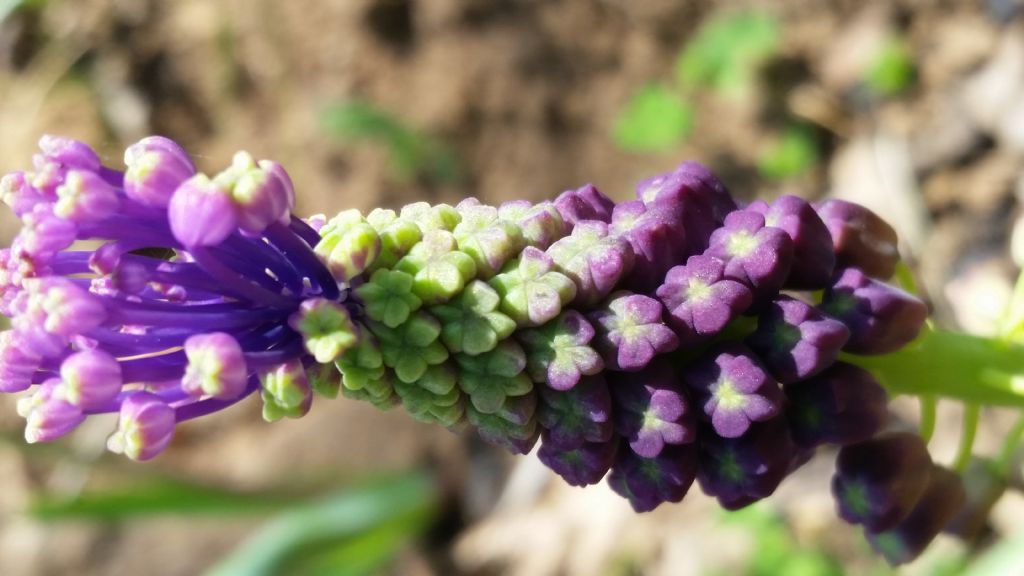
704	200
881	318
649	482
581	466
842	405
796	341
580	415
812	243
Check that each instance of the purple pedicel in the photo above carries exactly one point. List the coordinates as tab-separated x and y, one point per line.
741	471
879	482
842	405
657	237
583	465
652	410
649	482
90	379
703	198
733	389
584	203
594	259
630	331
881	318
942	499
145	427
860	238
812	243
700	300
129	302
156	166
795	340
559	352
578	416
202	212
759	256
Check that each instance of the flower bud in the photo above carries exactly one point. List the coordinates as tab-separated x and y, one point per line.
860	238
733	389
558	353
349	245
630	332
881	318
649	482
216	366
286	391
487	239
652	410
701	196
573	418
145	427
85	197
532	292
156	167
583	465
594	259
202	213
657	237
756	255
490	378
47	415
700	300
842	405
584	203
326	328
90	380
796	341
812	268
471	323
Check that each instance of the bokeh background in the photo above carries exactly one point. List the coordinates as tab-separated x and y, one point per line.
913	107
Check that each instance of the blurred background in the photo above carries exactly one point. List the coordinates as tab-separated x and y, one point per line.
912	107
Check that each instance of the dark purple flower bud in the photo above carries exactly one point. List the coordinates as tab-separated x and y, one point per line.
700	300
881	318
145	427
630	331
984	485
48	416
202	213
741	471
757	255
939	503
156	166
652	410
594	259
558	353
812	244
733	389
703	198
649	482
513	427
541	224
842	405
796	341
584	203
90	379
575	417
879	482
860	238
657	237
216	366
583	465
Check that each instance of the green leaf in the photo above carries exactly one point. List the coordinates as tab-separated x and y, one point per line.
655	119
793	154
726	51
891	71
354	532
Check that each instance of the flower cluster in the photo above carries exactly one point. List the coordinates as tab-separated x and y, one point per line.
673	338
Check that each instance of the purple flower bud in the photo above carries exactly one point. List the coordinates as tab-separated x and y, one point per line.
487	239
156	167
649	482
531	291
812	268
796	341
18	194
513	427
578	416
584	203
18	362
85	197
145	427
594	259
700	300
741	471
652	409
703	198
630	332
860	238
657	237
842	405
262	194
90	380
733	389
541	224
583	465
881	318
47	415
202	213
216	366
938	505
45	233
69	153
879	482
67	310
558	352
757	255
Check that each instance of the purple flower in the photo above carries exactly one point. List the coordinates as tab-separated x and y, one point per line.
700	300
757	255
652	409
583	465
860	238
842	405
741	471
649	482
812	244
48	414
584	203
630	331
572	418
700	195
657	237
881	318
733	389
796	341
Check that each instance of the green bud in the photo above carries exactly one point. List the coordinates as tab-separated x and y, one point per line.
388	297
411	347
430	218
362	364
380	392
348	245
492	377
326	328
397	237
285	391
439	269
324	379
488	240
471	323
434	397
532	291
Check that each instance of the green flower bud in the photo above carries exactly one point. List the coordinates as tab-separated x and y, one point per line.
532	291
324	379
429	218
388	297
439	269
490	378
326	328
488	240
286	392
471	323
362	364
434	397
397	237
412	347
348	245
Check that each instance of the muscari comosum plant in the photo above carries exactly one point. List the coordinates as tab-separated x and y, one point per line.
674	338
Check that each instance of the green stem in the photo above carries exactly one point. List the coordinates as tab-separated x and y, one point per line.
1004	460
972	415
973	369
928	408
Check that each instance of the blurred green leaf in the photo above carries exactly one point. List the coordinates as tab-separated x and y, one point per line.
726	51
794	153
8	7
775	549
158	496
655	119
412	154
891	71
1002	559
355	532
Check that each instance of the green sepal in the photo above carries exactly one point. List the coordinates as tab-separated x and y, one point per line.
411	347
471	323
439	269
492	377
388	297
